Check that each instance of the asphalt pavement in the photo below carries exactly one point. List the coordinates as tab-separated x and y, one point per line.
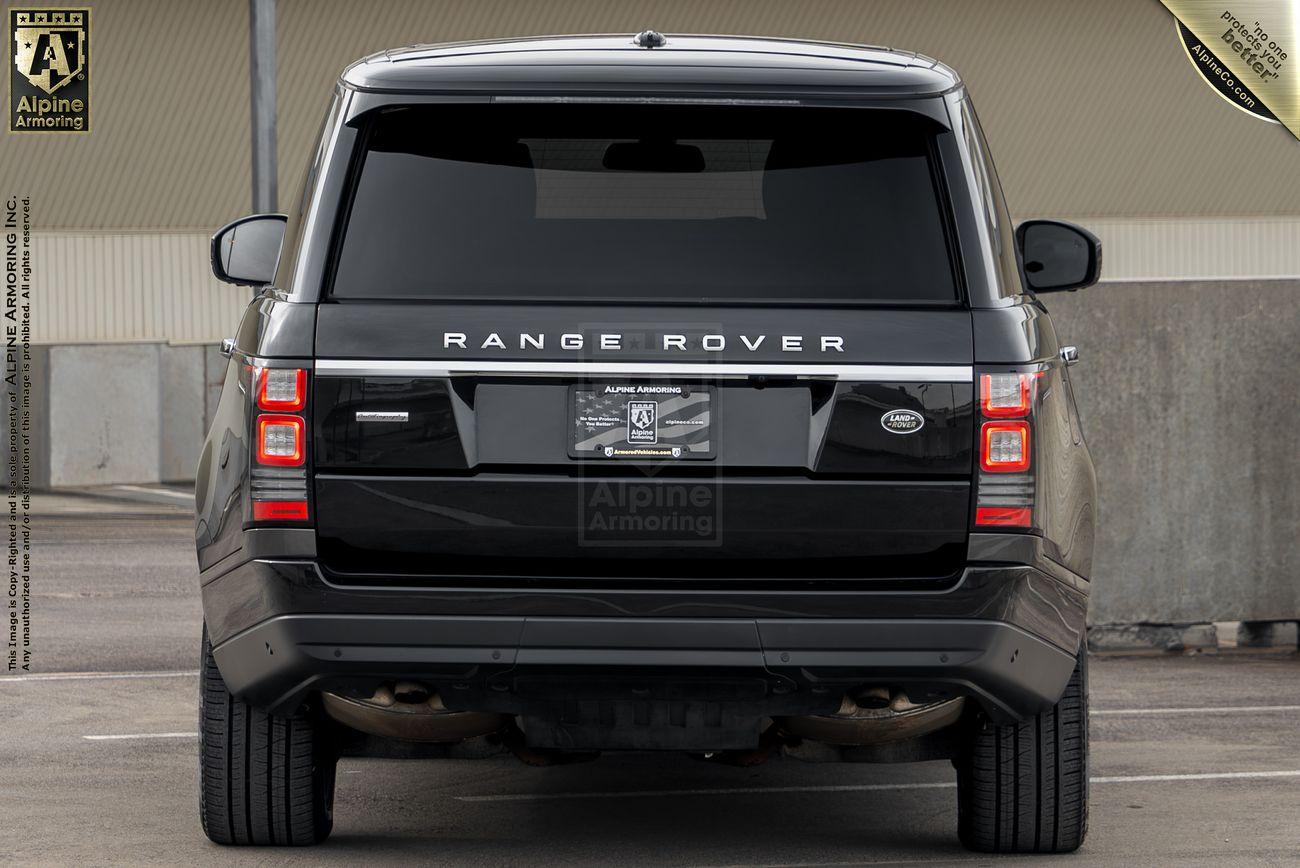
1196	760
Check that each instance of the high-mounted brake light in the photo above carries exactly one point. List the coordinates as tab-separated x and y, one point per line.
280	441
1007	396
282	389
1004	447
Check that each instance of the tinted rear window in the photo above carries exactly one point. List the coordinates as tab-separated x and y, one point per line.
646	203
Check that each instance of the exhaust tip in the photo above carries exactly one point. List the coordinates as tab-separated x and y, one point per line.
411	712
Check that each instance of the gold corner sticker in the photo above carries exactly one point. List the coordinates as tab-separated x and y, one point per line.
49	80
1243	49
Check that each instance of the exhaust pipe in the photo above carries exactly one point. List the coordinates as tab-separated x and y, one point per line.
411	712
855	725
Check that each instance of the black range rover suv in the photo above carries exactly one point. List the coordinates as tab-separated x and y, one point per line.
622	393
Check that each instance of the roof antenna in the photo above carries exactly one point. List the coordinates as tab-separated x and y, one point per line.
650	39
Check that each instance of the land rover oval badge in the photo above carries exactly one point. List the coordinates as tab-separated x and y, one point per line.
902	421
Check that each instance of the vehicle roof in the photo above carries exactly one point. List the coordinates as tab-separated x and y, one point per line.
616	62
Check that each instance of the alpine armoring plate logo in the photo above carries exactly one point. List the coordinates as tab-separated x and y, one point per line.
902	421
642	417
49	81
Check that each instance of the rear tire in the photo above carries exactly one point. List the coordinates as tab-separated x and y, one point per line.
1023	787
263	779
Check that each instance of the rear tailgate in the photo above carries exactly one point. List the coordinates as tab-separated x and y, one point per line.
470	464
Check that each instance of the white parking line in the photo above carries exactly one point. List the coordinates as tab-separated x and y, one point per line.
857	863
726	791
94	676
135	735
1224	709
853	788
1203	776
181	495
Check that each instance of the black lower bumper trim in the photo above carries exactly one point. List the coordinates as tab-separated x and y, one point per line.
802	663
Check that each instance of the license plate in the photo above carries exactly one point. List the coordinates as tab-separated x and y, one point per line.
641	420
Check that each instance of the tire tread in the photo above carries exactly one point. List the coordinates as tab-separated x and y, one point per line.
1023	787
263	779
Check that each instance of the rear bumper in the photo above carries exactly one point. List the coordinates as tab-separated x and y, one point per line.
807	665
1004	634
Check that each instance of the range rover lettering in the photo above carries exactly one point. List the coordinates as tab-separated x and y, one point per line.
624	393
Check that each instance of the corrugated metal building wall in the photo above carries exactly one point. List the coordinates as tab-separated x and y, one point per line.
1092	109
134	286
156	286
1127	140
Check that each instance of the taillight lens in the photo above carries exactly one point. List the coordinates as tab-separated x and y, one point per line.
282	389
278	471
1006	491
279	510
280	441
1007	396
1004	447
1004	516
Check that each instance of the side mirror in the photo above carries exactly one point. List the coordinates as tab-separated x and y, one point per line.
1058	255
246	251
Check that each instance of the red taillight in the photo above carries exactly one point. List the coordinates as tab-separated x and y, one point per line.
1016	516
1005	492
283	390
1007	396
280	441
278	475
279	510
1004	447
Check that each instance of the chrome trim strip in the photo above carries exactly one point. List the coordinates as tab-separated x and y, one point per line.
590	369
264	362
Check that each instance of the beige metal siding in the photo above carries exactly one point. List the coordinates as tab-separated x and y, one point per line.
1092	108
169	141
1198	249
130	287
158	287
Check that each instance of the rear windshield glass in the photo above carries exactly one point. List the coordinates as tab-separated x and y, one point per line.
646	202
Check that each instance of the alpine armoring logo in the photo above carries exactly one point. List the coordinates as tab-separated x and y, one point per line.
902	421
49	81
642	418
